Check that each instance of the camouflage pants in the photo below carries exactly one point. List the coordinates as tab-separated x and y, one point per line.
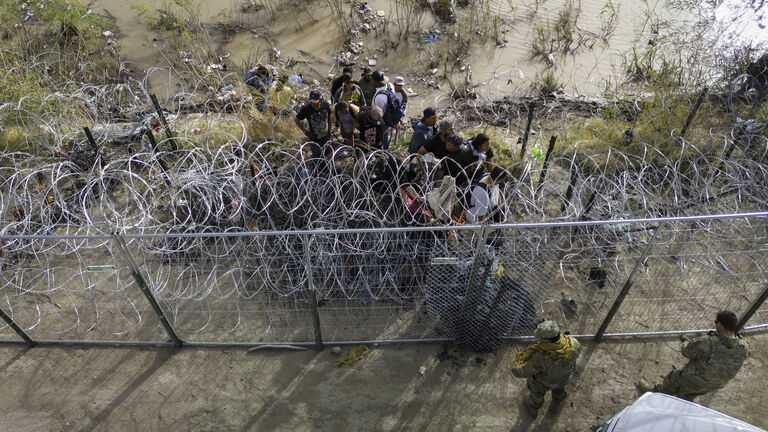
684	386
537	392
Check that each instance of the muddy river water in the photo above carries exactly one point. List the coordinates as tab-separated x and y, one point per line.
309	35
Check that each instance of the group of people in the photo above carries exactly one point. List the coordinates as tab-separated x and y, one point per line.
365	113
713	360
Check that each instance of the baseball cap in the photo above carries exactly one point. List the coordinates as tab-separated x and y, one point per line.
378	76
376	114
547	330
399	81
444	126
367	71
429	112
315	96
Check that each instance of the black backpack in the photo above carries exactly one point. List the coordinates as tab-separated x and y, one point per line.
394	111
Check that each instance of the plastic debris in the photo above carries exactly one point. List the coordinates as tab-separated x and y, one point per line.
432	36
371	62
107	33
433	71
422	370
215	66
380	13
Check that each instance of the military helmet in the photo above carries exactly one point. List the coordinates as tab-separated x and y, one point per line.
547	330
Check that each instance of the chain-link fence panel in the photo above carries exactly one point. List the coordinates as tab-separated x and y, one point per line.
73	288
477	285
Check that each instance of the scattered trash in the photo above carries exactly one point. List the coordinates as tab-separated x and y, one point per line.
433	71
346	59
336	350
295	79
107	33
422	370
215	66
432	36
371	62
380	13
409	91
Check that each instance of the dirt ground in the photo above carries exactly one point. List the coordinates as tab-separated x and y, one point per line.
148	389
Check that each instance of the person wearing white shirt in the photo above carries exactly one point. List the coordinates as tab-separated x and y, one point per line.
485	196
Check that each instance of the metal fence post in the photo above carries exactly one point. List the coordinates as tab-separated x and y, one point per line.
17	329
473	290
571	185
753	308
627	285
144	286
531	108
164	122
544	168
693	111
312	294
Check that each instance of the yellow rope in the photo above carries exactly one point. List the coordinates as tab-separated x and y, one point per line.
355	355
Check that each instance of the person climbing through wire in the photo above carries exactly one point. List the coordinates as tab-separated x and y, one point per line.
317	113
260	81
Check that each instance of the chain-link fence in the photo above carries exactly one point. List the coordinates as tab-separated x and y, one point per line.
477	285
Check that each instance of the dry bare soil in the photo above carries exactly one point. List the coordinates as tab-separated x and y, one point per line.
151	389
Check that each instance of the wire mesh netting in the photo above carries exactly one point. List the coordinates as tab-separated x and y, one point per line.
475	285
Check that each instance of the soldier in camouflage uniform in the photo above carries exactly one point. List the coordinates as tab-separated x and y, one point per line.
547	365
714	359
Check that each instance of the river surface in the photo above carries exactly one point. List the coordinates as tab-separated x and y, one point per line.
309	35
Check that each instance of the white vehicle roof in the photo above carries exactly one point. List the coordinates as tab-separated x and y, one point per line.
661	412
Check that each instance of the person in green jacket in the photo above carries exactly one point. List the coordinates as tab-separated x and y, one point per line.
714	359
367	85
547	365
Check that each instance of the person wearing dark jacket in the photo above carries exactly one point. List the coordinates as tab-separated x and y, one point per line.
367	85
438	145
339	81
423	130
